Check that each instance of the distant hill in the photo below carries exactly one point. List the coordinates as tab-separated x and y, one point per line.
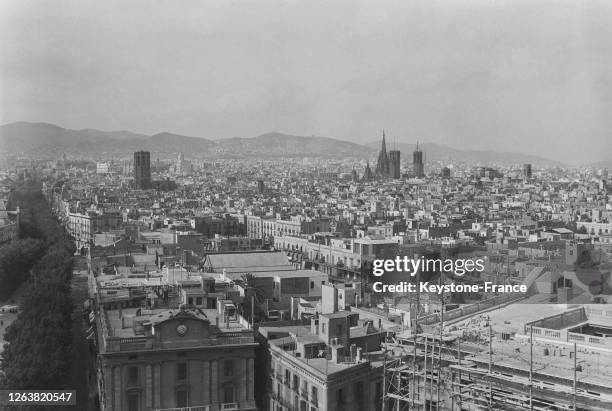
278	144
173	143
601	164
436	152
45	138
50	140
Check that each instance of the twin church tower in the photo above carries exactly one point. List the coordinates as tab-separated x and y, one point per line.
388	165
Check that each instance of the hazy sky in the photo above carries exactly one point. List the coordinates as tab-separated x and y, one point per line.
525	76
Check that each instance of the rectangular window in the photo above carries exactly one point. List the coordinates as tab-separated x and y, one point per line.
133	401
340	396
181	371
296	382
287	377
228	367
228	394
199	301
133	375
359	390
182	398
315	395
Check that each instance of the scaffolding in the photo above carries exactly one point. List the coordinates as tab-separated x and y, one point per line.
412	372
429	375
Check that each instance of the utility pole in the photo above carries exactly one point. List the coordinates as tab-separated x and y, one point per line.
413	390
575	370
384	388
531	368
425	373
440	353
459	376
431	380
490	366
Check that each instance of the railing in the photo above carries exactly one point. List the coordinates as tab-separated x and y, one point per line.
115	344
531	329
573	337
596	340
564	335
460	312
279	399
552	333
227	406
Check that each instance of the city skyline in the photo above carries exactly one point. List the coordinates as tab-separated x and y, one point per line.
306	206
482	76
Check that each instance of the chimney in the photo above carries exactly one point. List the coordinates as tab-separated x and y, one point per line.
337	354
314	325
353	352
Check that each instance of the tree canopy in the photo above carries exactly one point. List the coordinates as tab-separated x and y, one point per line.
38	342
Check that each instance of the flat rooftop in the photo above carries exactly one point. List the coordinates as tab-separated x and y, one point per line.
329	367
117	317
513	317
596	365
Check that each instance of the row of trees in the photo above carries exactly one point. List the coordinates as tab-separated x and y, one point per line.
37	353
16	261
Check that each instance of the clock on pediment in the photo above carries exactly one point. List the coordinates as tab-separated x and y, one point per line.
181	329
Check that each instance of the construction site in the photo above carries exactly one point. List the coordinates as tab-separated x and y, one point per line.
519	356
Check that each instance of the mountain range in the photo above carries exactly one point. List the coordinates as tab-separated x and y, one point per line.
50	141
46	140
438	153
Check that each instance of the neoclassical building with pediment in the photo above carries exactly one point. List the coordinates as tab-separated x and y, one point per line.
171	359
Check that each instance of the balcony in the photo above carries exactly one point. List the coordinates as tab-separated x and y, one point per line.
279	399
115	344
304	394
228	406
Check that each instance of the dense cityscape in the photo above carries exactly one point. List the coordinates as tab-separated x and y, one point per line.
247	284
305	205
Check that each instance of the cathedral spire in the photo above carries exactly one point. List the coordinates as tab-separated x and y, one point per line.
384	145
382	166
